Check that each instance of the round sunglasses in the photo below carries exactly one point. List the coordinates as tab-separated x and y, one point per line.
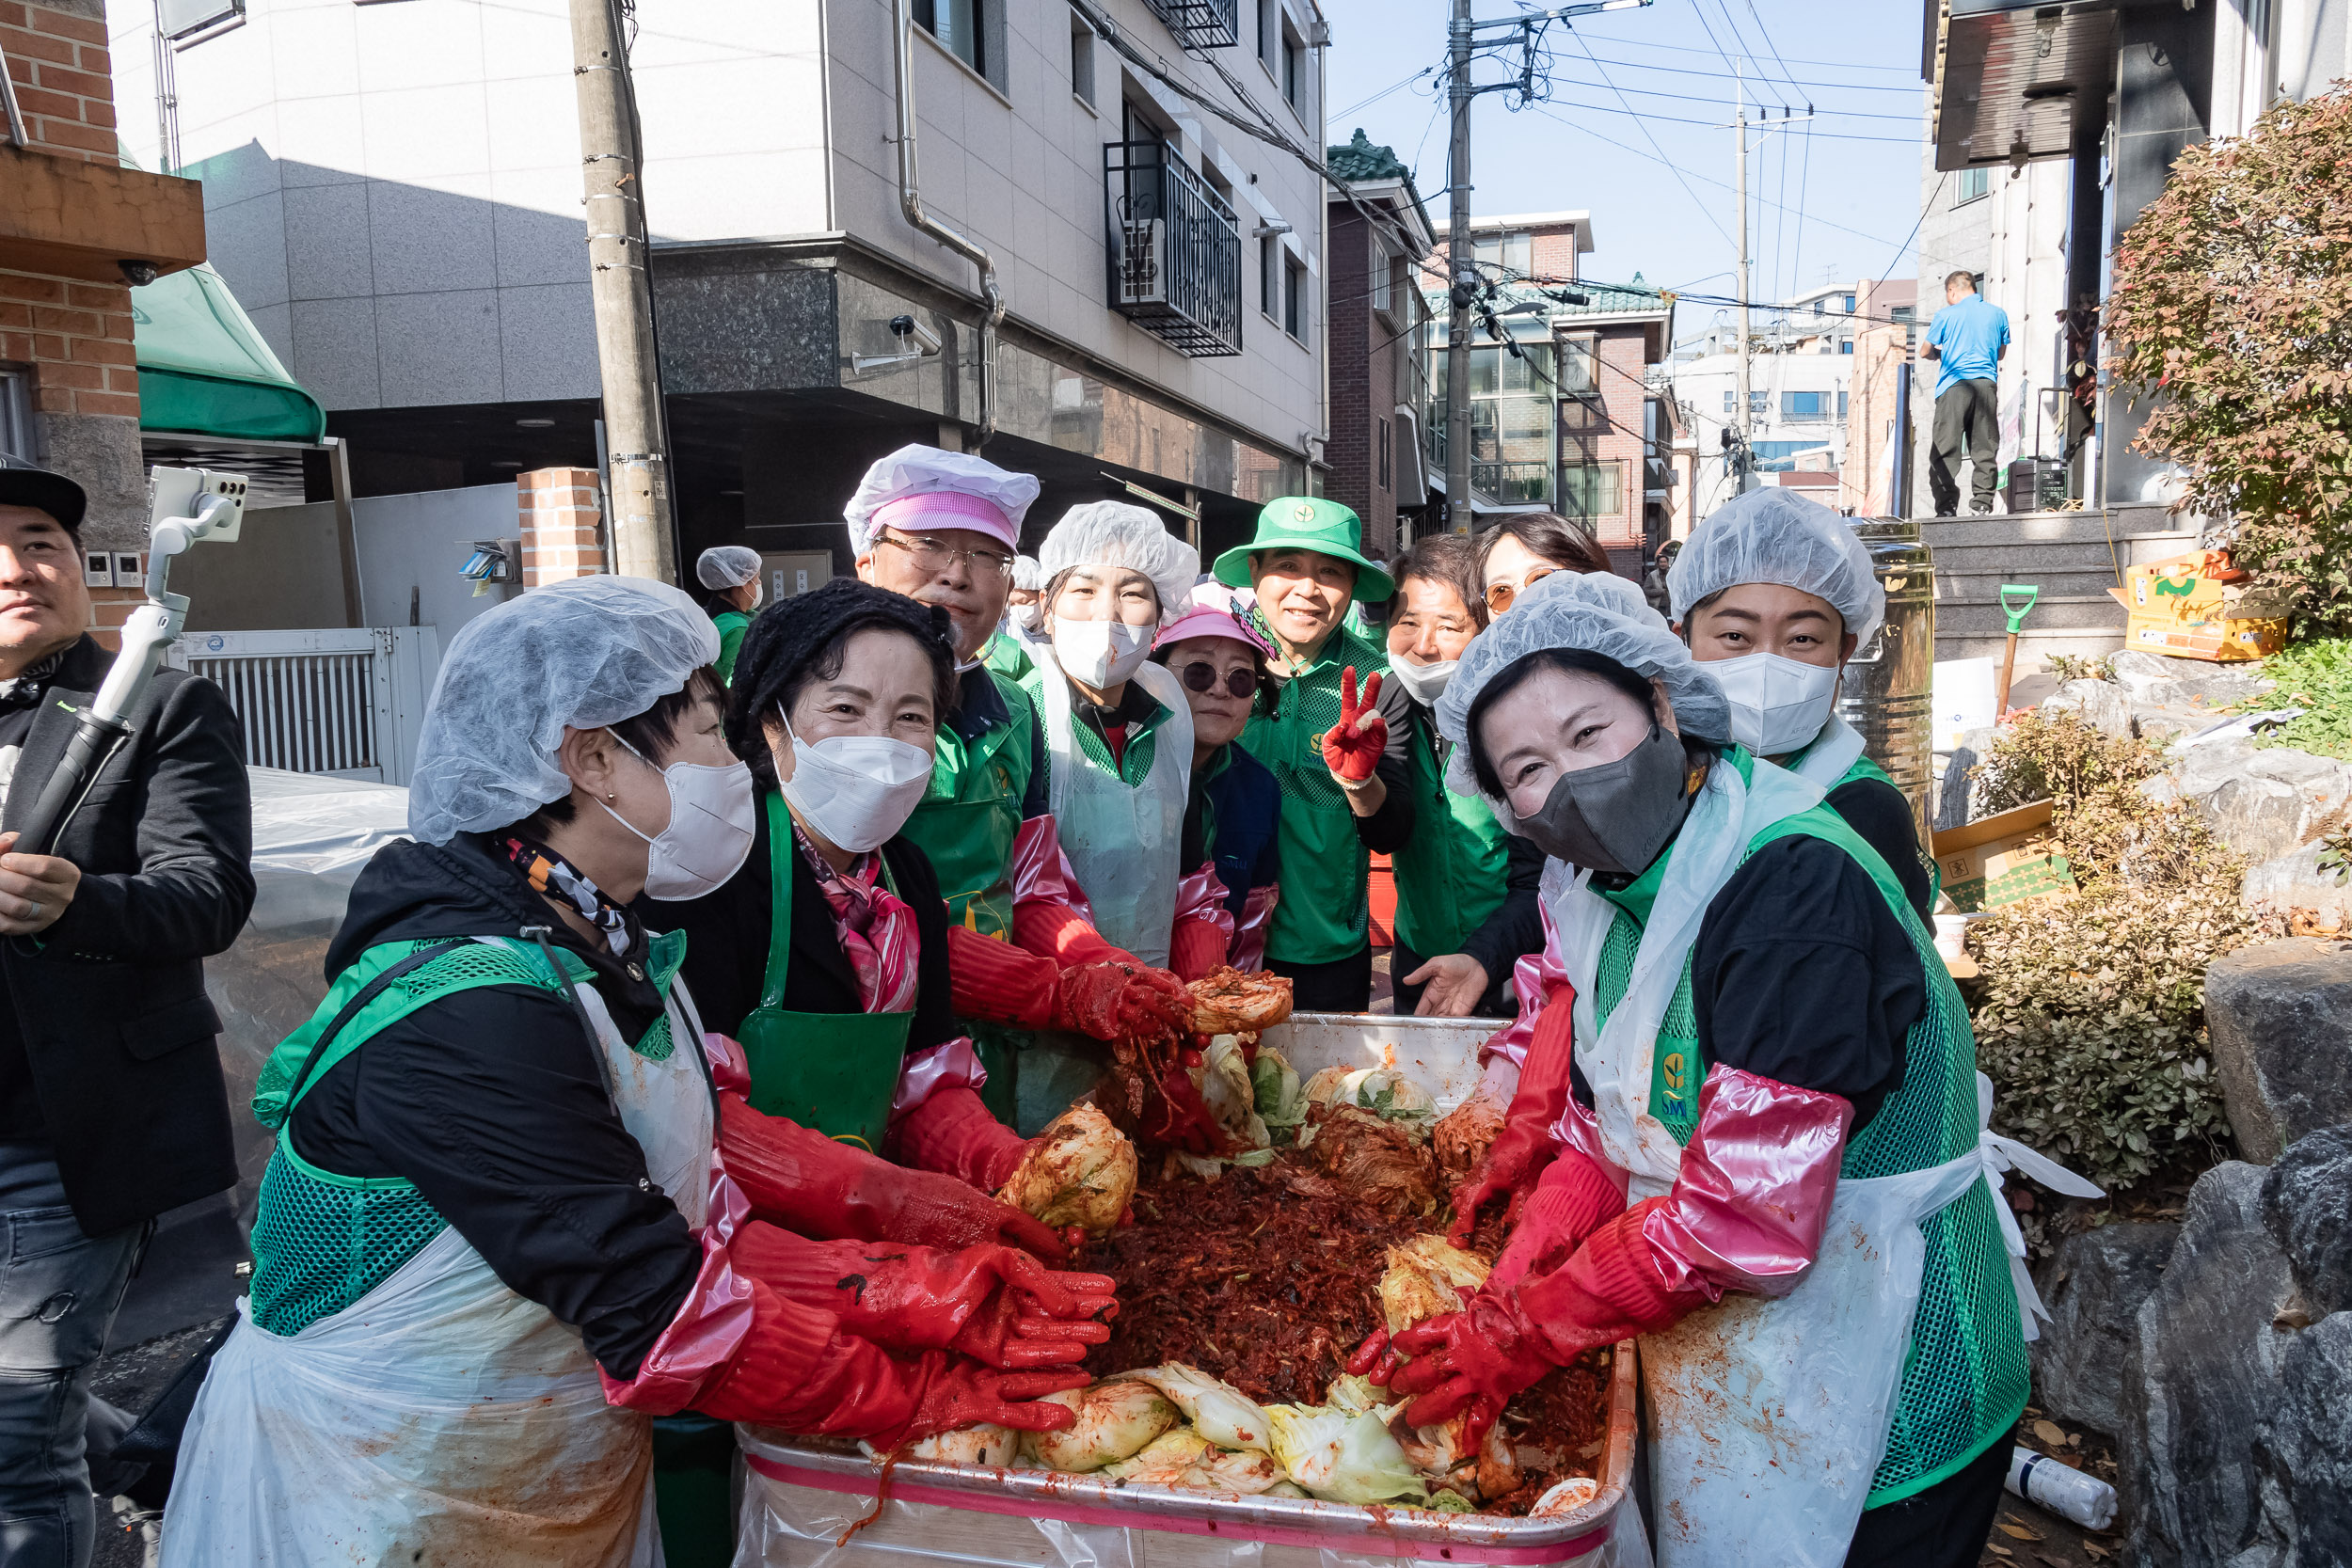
1201	676
1498	596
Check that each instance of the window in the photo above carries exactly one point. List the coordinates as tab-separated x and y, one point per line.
1579	366
1909	316
1841	406
1593	490
1082	59
1386	482
1494	373
1731	400
1270	278
1294	73
963	28
1270	35
1820	306
1844	345
1295	300
1513	253
1383	285
1972	183
1850	305
16	413
1803	406
183	18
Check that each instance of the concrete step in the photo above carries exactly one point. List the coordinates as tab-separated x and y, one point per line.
2072	613
2031	648
2085	555
2053	527
1984	587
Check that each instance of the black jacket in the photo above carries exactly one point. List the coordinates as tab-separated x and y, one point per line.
492	1103
726	944
109	1001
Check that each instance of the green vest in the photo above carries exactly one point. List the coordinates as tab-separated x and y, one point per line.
732	624
1966	1381
1450	874
1322	915
1006	655
322	1239
971	816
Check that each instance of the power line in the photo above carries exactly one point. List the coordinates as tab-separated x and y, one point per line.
1705	210
1694	71
1685	119
1368	103
1805	183
1695	98
1770	44
1741	38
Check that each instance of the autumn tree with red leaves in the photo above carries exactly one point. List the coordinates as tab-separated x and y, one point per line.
2233	308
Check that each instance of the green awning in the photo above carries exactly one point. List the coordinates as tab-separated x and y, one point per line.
205	369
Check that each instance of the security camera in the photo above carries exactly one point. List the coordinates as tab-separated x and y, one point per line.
139	273
904	327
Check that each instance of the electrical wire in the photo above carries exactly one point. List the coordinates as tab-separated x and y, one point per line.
1767	33
1695	98
1368	103
1705	210
1760	81
1726	75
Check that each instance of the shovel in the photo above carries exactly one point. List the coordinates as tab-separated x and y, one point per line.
2017	598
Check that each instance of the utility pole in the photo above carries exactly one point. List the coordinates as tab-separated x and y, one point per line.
1740	405
1462	276
638	469
1461	41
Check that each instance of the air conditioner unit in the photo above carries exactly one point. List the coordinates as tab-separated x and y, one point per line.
1142	249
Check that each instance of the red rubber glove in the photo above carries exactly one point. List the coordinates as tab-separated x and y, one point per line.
1059	932
982	1300
952	1132
957	1393
1178	1116
1106	1001
1112	1002
1572	1199
1524	1148
1474	1360
1195	948
1352	747
802	1179
1610	1289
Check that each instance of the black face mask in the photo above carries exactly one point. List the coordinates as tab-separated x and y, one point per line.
1615	819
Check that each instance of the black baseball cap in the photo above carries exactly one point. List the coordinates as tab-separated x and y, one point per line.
21	485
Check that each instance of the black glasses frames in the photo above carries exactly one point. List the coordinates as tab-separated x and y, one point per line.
1201	676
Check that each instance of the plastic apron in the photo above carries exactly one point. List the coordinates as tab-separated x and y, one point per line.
1126	841
1768	1417
442	1417
836	1072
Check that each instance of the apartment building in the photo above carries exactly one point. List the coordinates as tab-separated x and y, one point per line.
395	189
1380	343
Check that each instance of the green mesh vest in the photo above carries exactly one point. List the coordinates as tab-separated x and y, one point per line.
1965	1380
322	1241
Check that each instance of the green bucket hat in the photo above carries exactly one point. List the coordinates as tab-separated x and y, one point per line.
1309	523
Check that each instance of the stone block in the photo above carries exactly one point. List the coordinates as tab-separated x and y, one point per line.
2296	881
2200	1375
2280	1016
2307	1209
2153	680
2303	1446
2100	704
2093	1286
2263	802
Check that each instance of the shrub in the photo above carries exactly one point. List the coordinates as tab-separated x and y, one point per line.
2092	1017
2232	307
2315	677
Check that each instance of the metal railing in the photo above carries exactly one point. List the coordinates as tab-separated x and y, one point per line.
1201	24
348	703
1513	484
1174	252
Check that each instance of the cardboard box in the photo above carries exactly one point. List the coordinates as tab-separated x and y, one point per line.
2185	606
1999	859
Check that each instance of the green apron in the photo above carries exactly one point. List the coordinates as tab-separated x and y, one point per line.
1450	875
836	1072
970	818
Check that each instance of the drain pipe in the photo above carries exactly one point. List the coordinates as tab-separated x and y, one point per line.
911	203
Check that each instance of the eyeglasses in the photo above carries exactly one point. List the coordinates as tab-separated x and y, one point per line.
1199	676
1499	596
936	556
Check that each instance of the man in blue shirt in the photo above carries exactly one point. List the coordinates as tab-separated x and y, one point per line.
1966	341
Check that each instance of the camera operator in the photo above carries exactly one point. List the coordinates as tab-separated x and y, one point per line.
112	1107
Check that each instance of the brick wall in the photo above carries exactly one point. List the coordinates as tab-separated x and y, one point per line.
1607	428
1363	385
57	59
74	335
559	514
1552	251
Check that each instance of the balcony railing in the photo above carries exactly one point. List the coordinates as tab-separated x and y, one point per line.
1513	484
1201	24
1175	251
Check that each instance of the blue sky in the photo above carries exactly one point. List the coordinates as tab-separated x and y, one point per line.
1854	61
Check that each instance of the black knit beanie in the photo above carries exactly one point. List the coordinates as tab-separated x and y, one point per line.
790	635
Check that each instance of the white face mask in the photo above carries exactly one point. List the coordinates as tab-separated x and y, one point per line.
1778	706
855	791
759	593
713	817
1101	654
1028	615
1424	683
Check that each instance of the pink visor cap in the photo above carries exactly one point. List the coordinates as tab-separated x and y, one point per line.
1213	611
948	509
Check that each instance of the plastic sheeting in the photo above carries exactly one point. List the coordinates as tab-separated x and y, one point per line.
312	835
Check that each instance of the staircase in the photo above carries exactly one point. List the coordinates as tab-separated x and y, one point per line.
2072	557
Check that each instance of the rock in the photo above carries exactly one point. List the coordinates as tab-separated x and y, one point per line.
2307	1209
2304	1446
2263	802
2093	1286
2296	881
2280	1017
2152	680
2199	1376
2101	704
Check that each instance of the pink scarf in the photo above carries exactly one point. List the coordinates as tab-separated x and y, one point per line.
875	926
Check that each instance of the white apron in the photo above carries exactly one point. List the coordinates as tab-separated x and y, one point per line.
1768	1417
442	1417
1837	748
1125	842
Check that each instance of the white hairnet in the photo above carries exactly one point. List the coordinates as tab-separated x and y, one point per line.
1113	533
585	652
727	567
917	470
1769	535
1601	613
1025	573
